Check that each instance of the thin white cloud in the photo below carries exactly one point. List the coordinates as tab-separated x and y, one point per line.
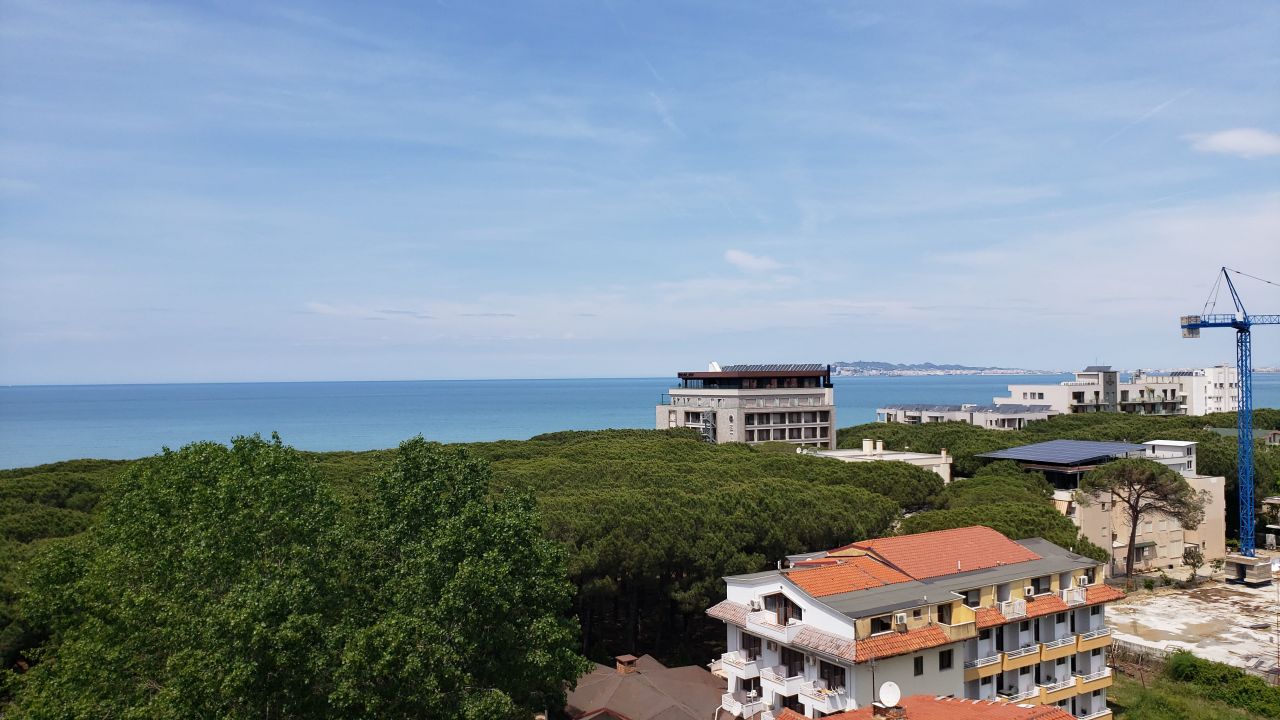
665	113
747	262
1146	116
1241	142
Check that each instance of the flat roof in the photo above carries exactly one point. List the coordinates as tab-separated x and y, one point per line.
1172	443
1009	408
890	455
795	370
1066	452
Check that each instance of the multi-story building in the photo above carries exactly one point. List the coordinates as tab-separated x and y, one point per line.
755	404
1010	416
1098	388
874	450
964	612
1160	540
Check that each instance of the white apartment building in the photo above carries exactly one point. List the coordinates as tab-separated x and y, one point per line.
1011	416
1160	540
873	450
964	612
755	404
1098	389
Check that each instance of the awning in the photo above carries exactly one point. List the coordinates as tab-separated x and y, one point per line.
1146	544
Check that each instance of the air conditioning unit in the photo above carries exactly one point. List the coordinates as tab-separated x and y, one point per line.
809	659
754	604
1028	591
900	619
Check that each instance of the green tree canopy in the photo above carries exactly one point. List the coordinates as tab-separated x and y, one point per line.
1016	520
1143	488
226	582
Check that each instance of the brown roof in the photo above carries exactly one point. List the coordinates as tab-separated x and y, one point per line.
989	617
928	707
1042	605
729	611
899	643
824	642
856	573
945	552
652	692
1102	594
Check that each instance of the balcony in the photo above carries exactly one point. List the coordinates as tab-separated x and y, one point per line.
981	667
1051	693
775	679
1022	657
1093	639
738	704
960	631
823	699
1055	649
765	624
738	664
1096	715
1072	596
1094	681
1030	695
1013	609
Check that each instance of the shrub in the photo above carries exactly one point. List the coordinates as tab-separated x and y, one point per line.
1149	584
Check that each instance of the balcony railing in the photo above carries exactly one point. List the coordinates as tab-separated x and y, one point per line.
1022	652
1013	609
1019	697
1072	596
1061	642
981	662
1103	673
1100	632
747	667
1104	712
738	704
1060	685
778	681
824	699
765	623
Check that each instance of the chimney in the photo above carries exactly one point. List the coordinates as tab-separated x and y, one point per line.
867	446
892	712
879	447
626	664
943	452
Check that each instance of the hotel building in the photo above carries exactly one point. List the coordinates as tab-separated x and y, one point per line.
965	613
754	404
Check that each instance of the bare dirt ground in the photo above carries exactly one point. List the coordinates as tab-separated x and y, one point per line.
1231	624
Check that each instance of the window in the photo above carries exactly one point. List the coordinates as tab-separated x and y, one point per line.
919	666
984	635
915	614
1024	626
881	624
832	674
750	686
1096	652
750	646
1024	670
987	680
1060	618
793	661
785	609
751	418
972	597
944	659
1095	610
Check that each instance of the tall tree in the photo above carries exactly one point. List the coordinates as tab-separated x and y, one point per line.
1143	488
228	582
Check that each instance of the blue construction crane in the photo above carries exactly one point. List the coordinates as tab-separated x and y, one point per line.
1242	321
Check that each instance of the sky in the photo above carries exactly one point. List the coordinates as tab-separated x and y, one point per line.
221	191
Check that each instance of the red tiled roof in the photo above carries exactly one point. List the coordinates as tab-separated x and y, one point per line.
729	611
1095	594
899	643
928	707
945	552
856	573
825	642
1042	605
989	617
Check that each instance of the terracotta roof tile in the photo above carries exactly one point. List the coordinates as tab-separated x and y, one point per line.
928	707
825	642
896	643
1095	594
1042	605
945	552
857	573
729	611
989	617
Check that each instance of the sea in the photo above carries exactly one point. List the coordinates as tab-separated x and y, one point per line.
43	424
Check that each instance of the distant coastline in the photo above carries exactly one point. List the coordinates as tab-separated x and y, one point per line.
865	368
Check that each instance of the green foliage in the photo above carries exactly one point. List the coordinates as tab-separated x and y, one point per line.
225	582
1016	520
1193	558
1165	699
997	483
1224	683
1149	584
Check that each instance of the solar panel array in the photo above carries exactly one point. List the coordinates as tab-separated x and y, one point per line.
1066	452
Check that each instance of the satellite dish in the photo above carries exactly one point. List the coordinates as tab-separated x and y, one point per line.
890	694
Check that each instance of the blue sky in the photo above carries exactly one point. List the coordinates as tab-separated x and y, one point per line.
219	192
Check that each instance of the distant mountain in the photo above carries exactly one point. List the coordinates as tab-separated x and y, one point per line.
871	367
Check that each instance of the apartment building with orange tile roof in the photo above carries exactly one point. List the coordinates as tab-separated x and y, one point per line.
930	707
965	613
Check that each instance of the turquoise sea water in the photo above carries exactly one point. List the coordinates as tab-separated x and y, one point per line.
40	424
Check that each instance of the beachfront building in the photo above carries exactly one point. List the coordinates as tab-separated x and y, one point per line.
1098	388
873	450
1160	541
964	612
754	404
1013	416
